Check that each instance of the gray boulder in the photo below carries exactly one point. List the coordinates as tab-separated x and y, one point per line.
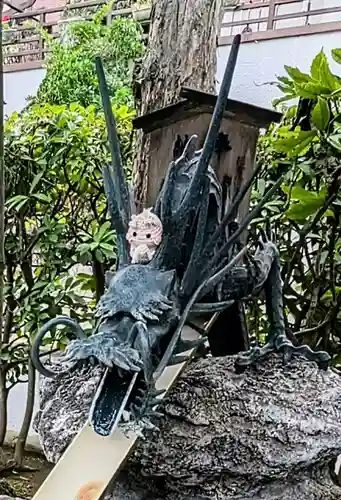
272	433
5	497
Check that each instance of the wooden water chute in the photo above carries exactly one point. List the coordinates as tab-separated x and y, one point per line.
234	159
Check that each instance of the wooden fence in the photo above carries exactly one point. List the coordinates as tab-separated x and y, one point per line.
268	19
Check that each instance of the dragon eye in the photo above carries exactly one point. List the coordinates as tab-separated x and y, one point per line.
134	233
148	235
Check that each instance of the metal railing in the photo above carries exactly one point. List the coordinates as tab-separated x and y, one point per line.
24	47
268	19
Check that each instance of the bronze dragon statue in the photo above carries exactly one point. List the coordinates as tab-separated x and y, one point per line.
183	257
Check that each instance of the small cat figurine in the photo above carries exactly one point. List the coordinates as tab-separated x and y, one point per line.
144	236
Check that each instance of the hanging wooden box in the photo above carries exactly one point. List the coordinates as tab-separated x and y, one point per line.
239	131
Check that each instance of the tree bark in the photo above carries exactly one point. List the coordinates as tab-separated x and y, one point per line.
25	426
3	391
181	51
3	407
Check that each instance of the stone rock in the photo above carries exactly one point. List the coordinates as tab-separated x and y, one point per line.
64	408
271	433
6	491
2	497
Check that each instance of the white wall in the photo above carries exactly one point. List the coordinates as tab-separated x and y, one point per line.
260	62
18	86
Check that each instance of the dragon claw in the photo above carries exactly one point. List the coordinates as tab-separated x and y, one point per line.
145	405
282	345
104	349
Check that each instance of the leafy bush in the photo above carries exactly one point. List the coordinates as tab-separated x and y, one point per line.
71	75
55	205
56	221
306	215
59	242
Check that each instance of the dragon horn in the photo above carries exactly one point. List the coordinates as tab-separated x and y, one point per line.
118	182
220	107
213	131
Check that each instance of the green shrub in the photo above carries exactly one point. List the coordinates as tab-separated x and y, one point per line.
56	215
56	206
71	76
306	214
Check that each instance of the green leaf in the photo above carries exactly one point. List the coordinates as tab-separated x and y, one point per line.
261	185
107	250
285	80
335	141
83	248
42	197
301	211
17	202
68	281
102	230
336	54
281	100
299	193
296	74
106	246
84	276
35	181
311	90
320	72
321	115
317	68
295	143
99	255
306	203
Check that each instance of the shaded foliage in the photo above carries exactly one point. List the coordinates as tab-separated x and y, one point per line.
71	75
306	214
56	221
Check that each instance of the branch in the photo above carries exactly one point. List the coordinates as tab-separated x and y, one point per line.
313	329
10	301
333	193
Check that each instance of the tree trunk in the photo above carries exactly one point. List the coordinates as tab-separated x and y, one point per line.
3	407
3	391
181	51
25	426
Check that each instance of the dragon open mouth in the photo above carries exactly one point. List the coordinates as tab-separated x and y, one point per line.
111	400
